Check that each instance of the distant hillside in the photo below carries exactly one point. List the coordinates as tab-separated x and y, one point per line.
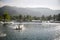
28	11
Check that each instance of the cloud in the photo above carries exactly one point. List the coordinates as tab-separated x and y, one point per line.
2	4
53	4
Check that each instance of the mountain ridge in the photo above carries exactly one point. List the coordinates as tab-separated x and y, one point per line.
29	11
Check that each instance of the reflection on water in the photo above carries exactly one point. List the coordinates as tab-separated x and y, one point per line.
31	32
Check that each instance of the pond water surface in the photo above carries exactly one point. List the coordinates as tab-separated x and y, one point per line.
31	32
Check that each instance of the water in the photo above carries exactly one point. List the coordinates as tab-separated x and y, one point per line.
33	31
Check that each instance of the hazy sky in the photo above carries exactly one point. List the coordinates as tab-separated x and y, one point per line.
52	4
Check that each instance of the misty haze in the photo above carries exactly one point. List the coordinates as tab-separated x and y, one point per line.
29	19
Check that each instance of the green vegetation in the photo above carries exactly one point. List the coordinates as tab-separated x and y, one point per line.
54	17
58	17
0	18
7	17
36	18
43	18
28	18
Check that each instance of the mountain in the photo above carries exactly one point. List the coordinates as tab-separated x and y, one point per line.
28	11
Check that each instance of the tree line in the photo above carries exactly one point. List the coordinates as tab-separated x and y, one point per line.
7	17
51	17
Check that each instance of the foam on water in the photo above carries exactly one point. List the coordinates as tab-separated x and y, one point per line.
16	26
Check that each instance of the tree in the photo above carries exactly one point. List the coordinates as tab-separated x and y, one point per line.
43	17
27	18
36	18
54	17
49	17
58	17
30	18
20	17
6	16
0	18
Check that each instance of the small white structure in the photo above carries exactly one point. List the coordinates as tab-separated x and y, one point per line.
36	20
45	21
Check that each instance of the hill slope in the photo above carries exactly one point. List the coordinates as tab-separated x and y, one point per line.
28	11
